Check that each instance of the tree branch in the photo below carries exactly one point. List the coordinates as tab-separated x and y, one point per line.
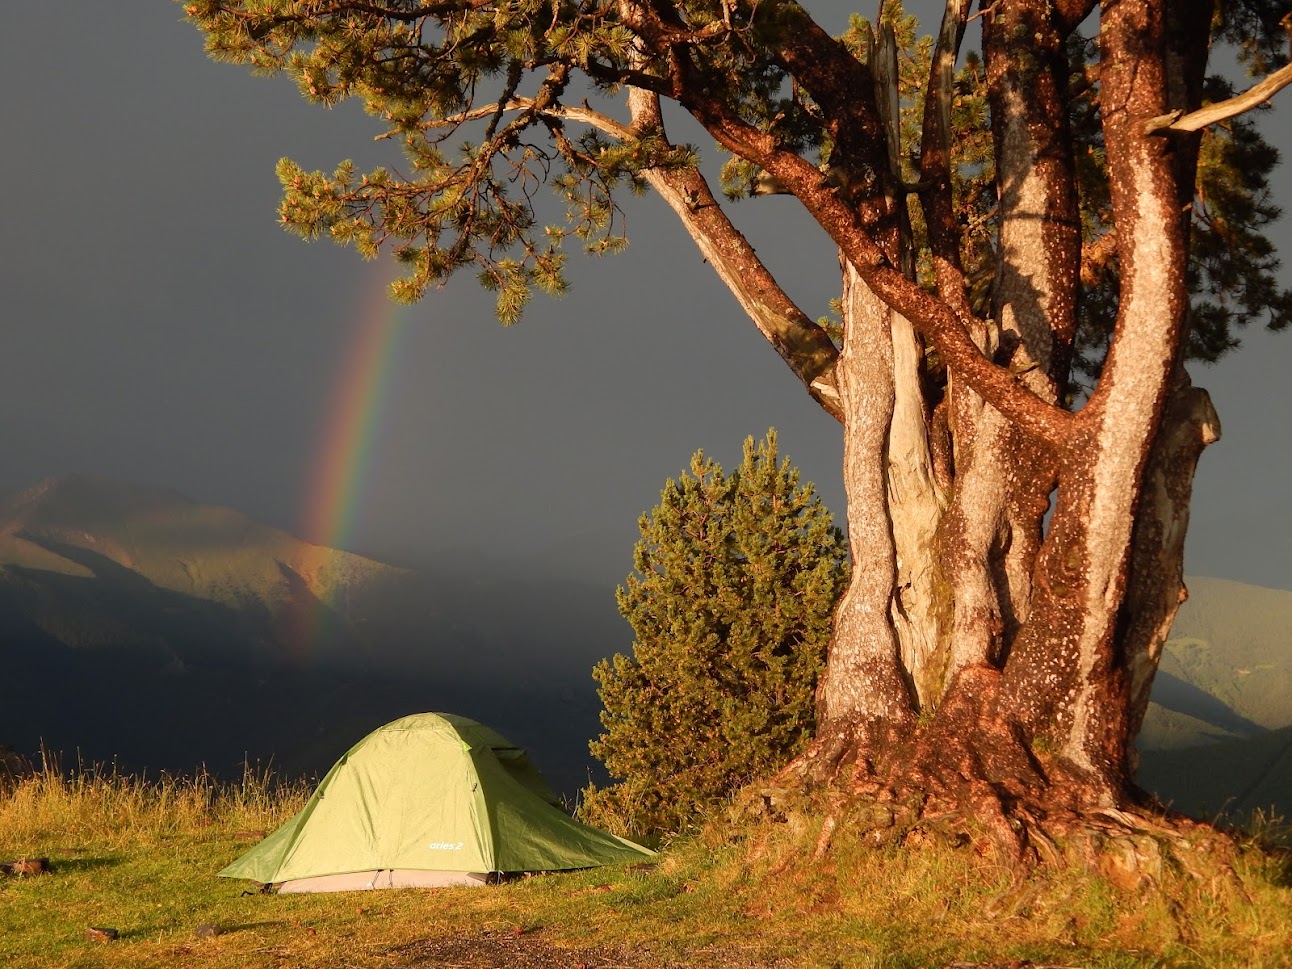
1222	110
937	321
935	160
804	346
800	342
1070	13
582	114
843	88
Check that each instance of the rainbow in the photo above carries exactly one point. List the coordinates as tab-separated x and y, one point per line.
355	411
357	405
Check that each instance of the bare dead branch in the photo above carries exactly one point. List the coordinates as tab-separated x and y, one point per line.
582	114
804	346
1223	110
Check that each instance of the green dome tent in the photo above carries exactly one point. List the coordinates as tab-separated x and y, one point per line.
429	799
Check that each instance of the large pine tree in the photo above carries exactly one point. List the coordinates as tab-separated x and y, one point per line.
1025	265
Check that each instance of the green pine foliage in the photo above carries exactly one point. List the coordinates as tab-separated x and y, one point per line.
485	100
736	577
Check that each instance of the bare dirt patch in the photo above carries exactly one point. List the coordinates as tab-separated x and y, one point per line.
529	951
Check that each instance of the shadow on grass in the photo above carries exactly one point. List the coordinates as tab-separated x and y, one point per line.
1280	870
60	865
180	931
247	926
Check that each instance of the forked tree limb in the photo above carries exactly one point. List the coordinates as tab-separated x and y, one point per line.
805	347
845	90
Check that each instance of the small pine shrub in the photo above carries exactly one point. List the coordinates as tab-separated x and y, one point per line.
734	585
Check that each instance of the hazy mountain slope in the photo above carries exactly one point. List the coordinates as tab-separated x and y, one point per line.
1216	738
1166	729
1227	666
1231	778
207	551
138	624
1184	714
1235	642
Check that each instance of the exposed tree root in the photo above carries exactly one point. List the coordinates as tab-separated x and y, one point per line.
968	778
1138	849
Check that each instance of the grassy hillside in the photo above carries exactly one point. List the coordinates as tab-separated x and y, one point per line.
1234	642
1216	737
142	858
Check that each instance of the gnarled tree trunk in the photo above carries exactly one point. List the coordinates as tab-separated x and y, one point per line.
1036	645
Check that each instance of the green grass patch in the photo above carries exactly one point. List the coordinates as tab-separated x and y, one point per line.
140	856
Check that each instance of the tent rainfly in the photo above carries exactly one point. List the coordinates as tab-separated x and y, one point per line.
427	800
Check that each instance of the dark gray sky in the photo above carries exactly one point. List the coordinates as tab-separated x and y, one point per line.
159	327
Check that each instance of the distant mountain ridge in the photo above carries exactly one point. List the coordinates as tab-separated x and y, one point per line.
82	527
1226	671
138	608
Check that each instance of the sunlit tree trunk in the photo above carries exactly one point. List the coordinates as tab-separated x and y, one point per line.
865	692
1068	679
1028	651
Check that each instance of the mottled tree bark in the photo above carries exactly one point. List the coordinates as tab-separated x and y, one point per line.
1067	678
1044	650
864	692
